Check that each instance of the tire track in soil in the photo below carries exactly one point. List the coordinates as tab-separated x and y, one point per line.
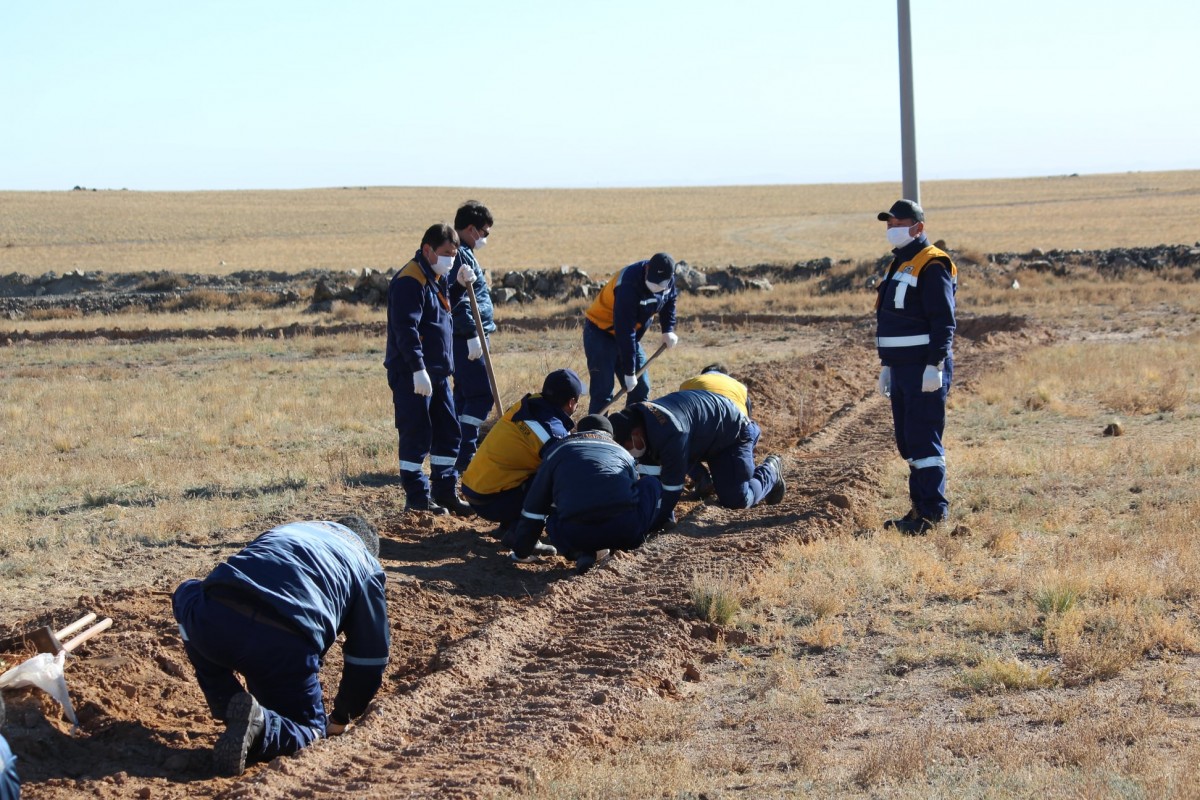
492	664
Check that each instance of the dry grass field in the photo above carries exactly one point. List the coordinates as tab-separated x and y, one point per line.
598	230
1044	643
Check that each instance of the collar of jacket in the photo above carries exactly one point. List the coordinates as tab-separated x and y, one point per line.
426	268
912	248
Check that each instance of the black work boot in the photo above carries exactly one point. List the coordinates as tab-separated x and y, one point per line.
423	503
244	725
908	518
453	503
774	496
918	526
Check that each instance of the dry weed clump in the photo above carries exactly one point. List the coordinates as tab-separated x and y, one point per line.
999	675
715	598
900	758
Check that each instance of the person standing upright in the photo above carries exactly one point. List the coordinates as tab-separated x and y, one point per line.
419	361
616	322
914	313
472	391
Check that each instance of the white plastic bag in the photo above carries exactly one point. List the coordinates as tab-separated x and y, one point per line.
45	671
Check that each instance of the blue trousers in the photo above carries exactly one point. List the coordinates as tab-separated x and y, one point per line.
502	507
624	530
738	482
472	400
282	670
920	420
601	351
10	784
427	426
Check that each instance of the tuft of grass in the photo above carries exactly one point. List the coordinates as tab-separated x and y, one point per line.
714	598
999	675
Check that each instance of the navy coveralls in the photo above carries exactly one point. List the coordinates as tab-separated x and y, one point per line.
688	427
613	330
419	337
914	329
10	784
472	392
271	612
587	494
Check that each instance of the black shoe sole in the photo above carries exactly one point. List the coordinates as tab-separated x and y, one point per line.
233	746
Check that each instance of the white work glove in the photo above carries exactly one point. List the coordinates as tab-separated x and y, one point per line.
885	381
630	381
466	275
931	379
670	339
422	385
334	728
474	348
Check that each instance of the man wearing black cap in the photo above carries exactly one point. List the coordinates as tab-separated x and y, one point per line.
616	322
588	496
914	313
679	430
497	478
270	613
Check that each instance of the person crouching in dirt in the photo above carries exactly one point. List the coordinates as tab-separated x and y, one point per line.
270	613
419	361
914	314
498	477
681	429
10	784
588	496
715	378
615	323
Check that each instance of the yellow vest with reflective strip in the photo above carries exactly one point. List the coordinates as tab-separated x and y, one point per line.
509	454
719	383
915	265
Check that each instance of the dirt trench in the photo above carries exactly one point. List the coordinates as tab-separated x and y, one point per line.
492	663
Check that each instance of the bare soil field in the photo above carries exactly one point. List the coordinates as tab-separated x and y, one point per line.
504	678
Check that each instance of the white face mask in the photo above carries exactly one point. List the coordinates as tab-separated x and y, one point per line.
480	242
898	237
655	288
637	452
442	266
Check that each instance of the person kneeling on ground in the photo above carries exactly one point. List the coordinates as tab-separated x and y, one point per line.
497	479
682	429
715	378
588	496
270	613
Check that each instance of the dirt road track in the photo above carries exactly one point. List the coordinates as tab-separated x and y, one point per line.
492	663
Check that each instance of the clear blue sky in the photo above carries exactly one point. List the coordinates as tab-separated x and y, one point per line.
241	95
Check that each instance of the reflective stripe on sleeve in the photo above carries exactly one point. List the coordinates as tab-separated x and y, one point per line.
538	430
678	488
476	421
932	461
364	662
902	341
649	469
538	517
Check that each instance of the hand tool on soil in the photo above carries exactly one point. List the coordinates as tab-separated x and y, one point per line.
487	355
637	374
51	641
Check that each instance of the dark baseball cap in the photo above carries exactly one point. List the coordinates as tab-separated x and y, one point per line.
562	385
903	209
660	268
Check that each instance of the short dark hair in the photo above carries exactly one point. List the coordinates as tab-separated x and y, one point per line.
365	530
718	367
437	235
471	213
623	423
594	422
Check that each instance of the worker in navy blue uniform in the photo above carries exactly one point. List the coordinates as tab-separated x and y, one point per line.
472	391
10	784
419	361
589	497
270	613
616	322
497	479
677	431
914	314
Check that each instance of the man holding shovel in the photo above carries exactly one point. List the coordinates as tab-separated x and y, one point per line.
472	389
270	613
616	322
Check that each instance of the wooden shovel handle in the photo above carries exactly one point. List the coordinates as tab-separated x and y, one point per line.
100	626
74	626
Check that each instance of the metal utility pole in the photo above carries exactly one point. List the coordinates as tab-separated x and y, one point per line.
908	135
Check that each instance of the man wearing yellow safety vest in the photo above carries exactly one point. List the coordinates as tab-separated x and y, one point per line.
498	477
914	315
715	378
616	321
